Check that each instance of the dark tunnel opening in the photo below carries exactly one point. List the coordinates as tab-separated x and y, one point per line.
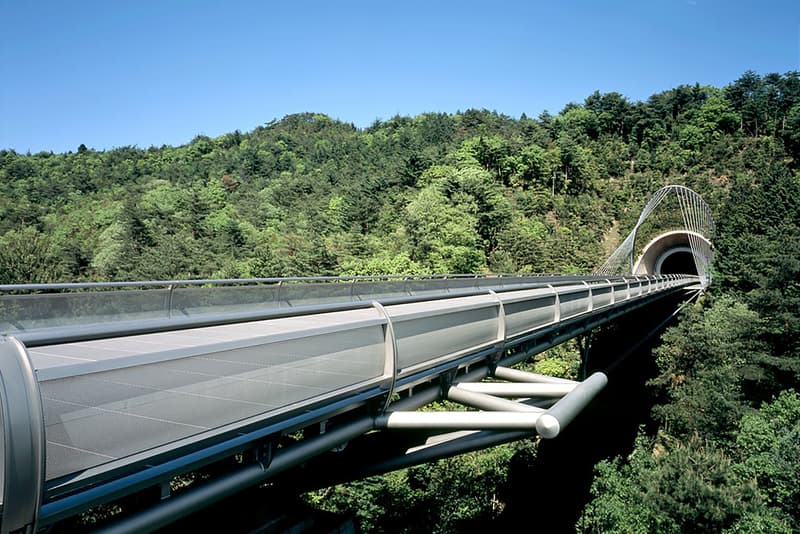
680	262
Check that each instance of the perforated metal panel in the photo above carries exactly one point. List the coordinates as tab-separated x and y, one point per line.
132	394
430	331
573	301
635	289
601	296
620	291
190	301
526	310
30	311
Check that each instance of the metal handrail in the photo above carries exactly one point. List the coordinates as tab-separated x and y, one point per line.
238	281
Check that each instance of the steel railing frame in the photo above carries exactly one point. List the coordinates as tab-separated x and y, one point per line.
269	280
87	332
162	306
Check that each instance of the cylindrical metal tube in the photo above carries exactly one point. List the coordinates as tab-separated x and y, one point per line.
179	506
515	375
487	402
506	389
550	424
473	442
459	420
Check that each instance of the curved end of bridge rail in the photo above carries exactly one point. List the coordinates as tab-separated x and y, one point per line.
23	441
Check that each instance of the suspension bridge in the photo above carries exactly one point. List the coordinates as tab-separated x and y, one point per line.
110	390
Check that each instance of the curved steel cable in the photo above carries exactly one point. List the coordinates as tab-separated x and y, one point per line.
697	222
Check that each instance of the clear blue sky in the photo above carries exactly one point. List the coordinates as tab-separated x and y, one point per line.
113	73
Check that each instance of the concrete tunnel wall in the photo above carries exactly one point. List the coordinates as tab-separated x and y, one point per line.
670	253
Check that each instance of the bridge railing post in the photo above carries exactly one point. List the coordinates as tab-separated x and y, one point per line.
23	445
352	290
590	306
170	295
390	366
501	326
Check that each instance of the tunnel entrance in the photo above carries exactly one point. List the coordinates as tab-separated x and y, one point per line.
678	262
674	253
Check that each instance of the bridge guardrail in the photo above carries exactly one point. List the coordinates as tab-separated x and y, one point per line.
25	307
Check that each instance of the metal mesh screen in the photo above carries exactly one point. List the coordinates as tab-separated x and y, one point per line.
83	304
94	418
31	311
194	300
423	335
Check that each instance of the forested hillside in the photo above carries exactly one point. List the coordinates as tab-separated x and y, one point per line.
478	191
308	195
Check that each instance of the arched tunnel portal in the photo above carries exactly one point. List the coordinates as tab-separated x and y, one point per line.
672	253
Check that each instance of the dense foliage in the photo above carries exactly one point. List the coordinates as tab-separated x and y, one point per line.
478	191
726	457
473	191
452	495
